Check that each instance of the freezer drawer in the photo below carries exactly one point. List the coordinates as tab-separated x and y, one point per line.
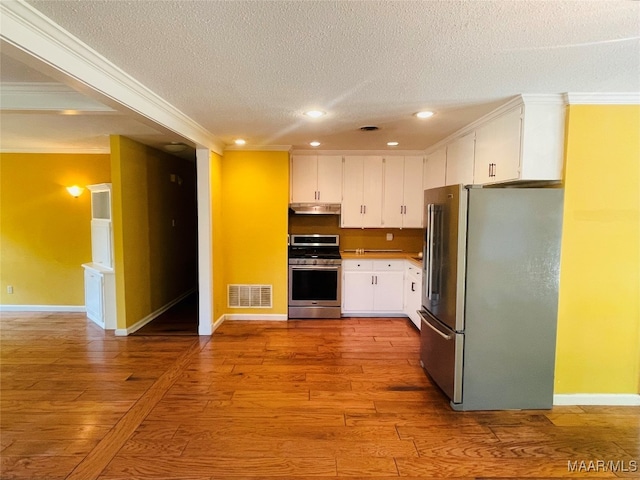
441	351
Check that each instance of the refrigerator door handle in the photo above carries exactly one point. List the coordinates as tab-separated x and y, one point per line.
426	321
430	222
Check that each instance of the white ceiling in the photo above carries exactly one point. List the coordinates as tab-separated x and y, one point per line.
250	68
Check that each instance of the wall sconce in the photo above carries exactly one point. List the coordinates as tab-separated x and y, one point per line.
75	191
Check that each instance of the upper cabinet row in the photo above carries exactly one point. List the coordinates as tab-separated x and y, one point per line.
374	191
521	141
382	192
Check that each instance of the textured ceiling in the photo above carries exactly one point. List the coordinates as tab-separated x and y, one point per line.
249	69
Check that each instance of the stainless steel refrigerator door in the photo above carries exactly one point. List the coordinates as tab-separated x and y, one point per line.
513	263
441	354
444	254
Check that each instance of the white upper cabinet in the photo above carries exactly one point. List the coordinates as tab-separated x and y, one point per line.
316	179
403	192
522	144
521	141
413	192
393	197
498	148
362	197
435	165
542	141
460	159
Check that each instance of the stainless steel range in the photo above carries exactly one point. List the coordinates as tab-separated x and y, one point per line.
315	271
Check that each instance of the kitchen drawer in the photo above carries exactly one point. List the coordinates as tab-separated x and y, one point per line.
357	265
388	265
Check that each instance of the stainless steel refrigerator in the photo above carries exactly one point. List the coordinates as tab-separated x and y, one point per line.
490	296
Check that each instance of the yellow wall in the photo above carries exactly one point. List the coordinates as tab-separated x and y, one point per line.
598	345
46	233
255	198
155	262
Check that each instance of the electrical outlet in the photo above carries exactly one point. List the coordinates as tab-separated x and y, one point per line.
389	237
9	289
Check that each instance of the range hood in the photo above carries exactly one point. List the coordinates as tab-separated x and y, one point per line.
315	208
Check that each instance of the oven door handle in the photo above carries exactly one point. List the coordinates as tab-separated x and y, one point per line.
314	267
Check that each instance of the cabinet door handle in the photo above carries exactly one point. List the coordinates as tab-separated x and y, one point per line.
401	212
318	194
372	279
365	209
360	208
413	286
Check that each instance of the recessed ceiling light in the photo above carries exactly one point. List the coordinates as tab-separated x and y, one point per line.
314	144
240	141
424	114
314	113
392	144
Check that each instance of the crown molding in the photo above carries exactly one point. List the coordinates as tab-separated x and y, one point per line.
29	32
382	153
624	98
57	150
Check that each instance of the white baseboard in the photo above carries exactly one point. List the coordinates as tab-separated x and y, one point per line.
217	323
123	332
613	399
207	330
43	308
252	316
239	316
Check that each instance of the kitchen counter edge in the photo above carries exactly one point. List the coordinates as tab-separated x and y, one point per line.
411	257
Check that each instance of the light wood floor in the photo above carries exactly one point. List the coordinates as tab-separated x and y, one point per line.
286	400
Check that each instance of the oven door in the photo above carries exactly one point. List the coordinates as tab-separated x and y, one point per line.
317	285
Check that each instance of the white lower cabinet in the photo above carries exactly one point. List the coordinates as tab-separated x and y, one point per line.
100	295
413	293
372	287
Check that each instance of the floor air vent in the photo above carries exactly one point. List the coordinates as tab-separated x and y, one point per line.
249	296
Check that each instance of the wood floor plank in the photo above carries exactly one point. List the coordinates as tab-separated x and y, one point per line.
265	400
37	467
490	468
213	466
366	467
96	461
